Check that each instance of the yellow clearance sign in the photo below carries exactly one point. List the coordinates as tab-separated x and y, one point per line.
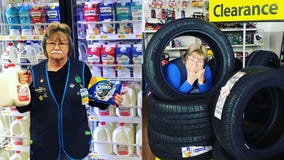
246	10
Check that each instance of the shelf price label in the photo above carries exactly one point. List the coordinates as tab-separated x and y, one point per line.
93	118
139	36
104	37
121	36
2	37
92	37
36	37
12	37
5	113
120	67
94	155
9	147
23	38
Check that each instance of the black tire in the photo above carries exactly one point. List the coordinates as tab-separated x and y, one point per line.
229	130
170	147
203	30
181	118
219	153
263	58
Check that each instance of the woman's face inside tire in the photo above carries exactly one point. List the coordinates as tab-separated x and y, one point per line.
185	65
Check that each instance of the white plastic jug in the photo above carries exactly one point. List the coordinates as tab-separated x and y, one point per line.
25	129
5	121
138	141
139	103
4	154
123	136
103	134
12	92
129	100
16	131
2	129
16	156
10	55
107	112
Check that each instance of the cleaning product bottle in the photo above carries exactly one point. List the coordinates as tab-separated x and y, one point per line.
123	137
25	18
12	16
12	92
103	137
10	55
128	103
16	131
53	12
138	140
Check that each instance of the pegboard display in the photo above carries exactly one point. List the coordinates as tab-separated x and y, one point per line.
158	12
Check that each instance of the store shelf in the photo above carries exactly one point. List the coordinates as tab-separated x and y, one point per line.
115	119
238	29
110	22
248	45
175	48
8	112
17	148
114	37
24	38
114	157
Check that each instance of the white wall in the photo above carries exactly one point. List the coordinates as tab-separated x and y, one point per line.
273	33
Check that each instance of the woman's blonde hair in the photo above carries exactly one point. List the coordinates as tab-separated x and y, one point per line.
57	28
196	48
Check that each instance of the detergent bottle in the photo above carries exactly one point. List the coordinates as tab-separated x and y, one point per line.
12	16
123	137
25	18
103	138
12	92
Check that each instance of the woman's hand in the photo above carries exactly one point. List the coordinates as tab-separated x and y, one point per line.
200	75
118	98
191	77
25	77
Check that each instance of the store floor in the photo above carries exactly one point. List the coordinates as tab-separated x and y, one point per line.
146	152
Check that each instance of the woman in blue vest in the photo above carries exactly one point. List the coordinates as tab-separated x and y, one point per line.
59	126
190	74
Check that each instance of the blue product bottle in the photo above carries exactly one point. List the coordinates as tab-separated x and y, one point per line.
81	30
12	16
25	18
53	13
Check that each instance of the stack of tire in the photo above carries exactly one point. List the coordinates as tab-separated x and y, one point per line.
180	125
241	117
248	119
